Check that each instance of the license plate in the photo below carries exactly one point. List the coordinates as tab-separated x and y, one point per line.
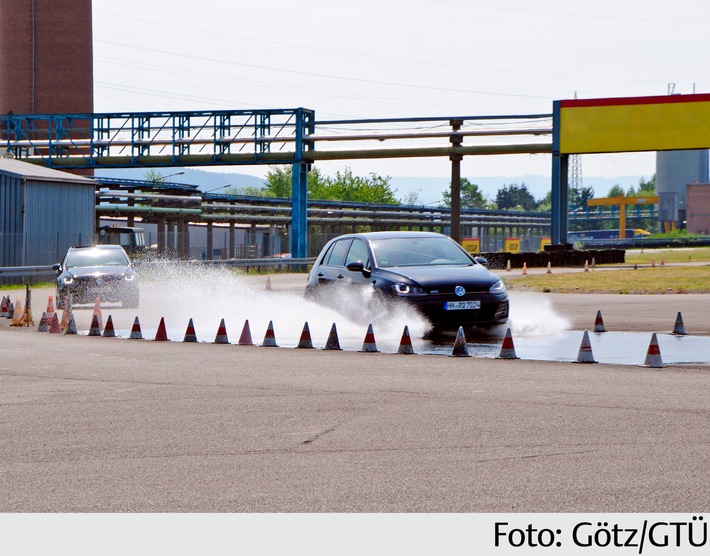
459	305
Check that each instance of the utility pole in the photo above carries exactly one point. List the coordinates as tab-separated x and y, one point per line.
455	158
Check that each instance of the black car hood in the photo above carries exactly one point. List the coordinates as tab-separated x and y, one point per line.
435	276
79	272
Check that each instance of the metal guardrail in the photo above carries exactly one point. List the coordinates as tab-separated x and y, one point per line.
269	262
25	271
238	263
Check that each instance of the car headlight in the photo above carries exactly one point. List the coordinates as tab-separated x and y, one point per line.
130	276
498	287
406	290
67	280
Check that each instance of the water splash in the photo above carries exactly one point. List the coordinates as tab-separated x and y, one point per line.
179	292
533	315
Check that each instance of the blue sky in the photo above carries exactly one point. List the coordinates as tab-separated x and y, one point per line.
401	58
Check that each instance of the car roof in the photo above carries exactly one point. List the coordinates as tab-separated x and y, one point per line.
96	247
391	235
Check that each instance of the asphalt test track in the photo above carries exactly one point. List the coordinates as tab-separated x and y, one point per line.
103	424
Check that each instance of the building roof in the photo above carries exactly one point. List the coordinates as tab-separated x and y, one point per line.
28	171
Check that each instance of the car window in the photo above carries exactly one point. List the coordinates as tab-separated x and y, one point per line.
95	257
358	252
337	253
419	251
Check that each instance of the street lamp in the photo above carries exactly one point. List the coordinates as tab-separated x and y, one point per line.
171	175
216	188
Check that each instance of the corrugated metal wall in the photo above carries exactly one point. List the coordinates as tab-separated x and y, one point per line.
57	215
10	220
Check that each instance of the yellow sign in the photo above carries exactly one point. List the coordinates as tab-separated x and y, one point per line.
471	244
512	245
635	124
545	241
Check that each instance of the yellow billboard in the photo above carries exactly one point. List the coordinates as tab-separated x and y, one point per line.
512	245
634	124
471	245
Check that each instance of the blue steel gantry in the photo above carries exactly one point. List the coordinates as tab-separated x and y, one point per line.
268	136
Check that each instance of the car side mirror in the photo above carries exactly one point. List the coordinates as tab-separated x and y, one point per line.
358	266
481	260
56	267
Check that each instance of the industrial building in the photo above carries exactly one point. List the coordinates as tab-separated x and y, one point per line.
42	212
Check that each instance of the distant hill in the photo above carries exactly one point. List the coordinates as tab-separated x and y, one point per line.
430	189
203	179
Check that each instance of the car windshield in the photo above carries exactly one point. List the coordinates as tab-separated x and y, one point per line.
96	257
419	251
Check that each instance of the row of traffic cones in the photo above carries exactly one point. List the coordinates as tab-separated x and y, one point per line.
305	341
549	267
678	327
653	353
507	349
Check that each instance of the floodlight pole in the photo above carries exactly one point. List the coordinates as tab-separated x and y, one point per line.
455	158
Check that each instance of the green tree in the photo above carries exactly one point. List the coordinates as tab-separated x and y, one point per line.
616	191
515	197
412	198
647	187
577	198
344	186
153	175
471	195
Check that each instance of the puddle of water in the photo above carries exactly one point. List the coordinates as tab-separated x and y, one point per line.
178	293
623	348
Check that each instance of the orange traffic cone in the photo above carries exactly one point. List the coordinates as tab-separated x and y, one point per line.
245	338
585	350
43	324
405	344
10	310
269	337
679	328
333	342
109	332
549	267
586	266
97	312
162	334
653	355
507	349
221	337
3	306
190	335
599	323
71	325
305	341
54	327
653	262
66	312
460	346
136	333
507	266
268	283
17	312
95	329
525	269
663	262
50	308
369	345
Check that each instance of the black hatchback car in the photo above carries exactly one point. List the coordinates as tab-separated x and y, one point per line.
103	271
427	270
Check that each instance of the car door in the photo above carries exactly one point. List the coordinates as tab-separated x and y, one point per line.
332	268
358	253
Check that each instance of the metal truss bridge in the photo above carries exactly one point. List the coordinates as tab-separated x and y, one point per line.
274	136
